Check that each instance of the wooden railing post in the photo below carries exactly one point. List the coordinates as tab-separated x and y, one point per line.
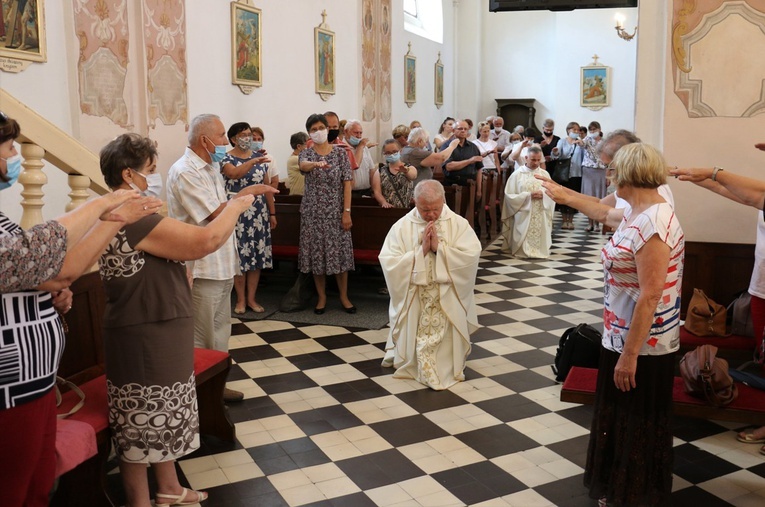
32	178
79	194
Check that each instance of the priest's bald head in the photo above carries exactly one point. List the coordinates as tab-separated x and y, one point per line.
429	199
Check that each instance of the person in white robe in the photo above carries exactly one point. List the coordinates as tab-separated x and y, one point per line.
430	260
527	212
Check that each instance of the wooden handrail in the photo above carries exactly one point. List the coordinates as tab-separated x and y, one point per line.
61	149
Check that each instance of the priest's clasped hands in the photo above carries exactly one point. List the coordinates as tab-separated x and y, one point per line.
429	239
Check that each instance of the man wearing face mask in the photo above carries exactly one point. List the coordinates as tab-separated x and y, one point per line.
499	134
333	137
196	195
362	176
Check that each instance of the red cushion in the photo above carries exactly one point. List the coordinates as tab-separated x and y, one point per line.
206	358
284	251
689	340
366	255
95	411
585	380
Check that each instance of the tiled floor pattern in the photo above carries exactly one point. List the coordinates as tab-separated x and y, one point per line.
324	425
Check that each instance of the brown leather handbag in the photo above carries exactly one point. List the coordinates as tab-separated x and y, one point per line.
706	376
705	317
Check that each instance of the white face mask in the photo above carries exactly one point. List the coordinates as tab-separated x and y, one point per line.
154	182
320	136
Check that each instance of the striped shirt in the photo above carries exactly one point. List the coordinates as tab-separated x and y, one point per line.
31	335
621	287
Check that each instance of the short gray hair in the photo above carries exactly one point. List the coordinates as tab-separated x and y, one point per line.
534	148
416	134
350	123
200	126
429	190
616	140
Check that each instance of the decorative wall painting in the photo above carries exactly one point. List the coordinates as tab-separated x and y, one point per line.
22	30
410	77
246	43
324	40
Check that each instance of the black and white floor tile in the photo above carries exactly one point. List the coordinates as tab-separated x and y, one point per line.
323	424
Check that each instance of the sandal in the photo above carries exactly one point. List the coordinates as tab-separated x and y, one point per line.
749	438
256	308
179	499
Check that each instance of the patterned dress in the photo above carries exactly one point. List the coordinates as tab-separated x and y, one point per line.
149	351
325	248
253	231
396	188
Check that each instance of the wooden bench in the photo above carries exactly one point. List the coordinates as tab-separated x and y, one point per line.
748	408
86	483
371	224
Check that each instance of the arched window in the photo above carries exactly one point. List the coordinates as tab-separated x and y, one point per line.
424	18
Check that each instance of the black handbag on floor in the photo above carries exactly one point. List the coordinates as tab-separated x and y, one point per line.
578	346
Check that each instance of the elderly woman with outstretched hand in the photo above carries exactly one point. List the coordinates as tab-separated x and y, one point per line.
149	328
629	459
37	267
749	192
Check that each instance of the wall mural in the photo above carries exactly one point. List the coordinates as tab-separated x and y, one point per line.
706	70
165	36
102	29
368	61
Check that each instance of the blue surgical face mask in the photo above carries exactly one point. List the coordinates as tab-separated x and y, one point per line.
154	182
392	159
573	135
256	145
354	141
219	153
13	165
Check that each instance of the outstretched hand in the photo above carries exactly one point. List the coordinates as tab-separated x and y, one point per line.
556	192
760	146
259	189
241	203
134	209
694	175
114	200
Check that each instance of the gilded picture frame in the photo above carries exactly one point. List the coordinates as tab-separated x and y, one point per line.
22	30
438	84
595	86
246	45
410	79
324	57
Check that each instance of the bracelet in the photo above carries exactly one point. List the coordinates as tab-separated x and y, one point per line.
714	173
347	210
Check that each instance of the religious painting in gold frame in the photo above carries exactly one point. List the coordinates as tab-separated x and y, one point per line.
22	30
410	79
324	40
439	83
246	45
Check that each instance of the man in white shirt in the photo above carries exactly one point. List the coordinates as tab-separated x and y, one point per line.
499	134
362	176
196	195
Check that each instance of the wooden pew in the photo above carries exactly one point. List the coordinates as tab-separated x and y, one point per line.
461	200
371	224
748	408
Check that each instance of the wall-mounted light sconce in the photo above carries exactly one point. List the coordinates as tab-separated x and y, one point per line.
620	28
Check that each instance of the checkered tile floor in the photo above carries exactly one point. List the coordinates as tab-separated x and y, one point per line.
324	425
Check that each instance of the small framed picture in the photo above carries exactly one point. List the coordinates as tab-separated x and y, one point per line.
325	60
410	79
595	86
246	45
22	30
439	83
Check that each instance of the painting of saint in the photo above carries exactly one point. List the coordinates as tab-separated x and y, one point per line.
410	79
439	84
246	44
325	61
22	34
595	86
